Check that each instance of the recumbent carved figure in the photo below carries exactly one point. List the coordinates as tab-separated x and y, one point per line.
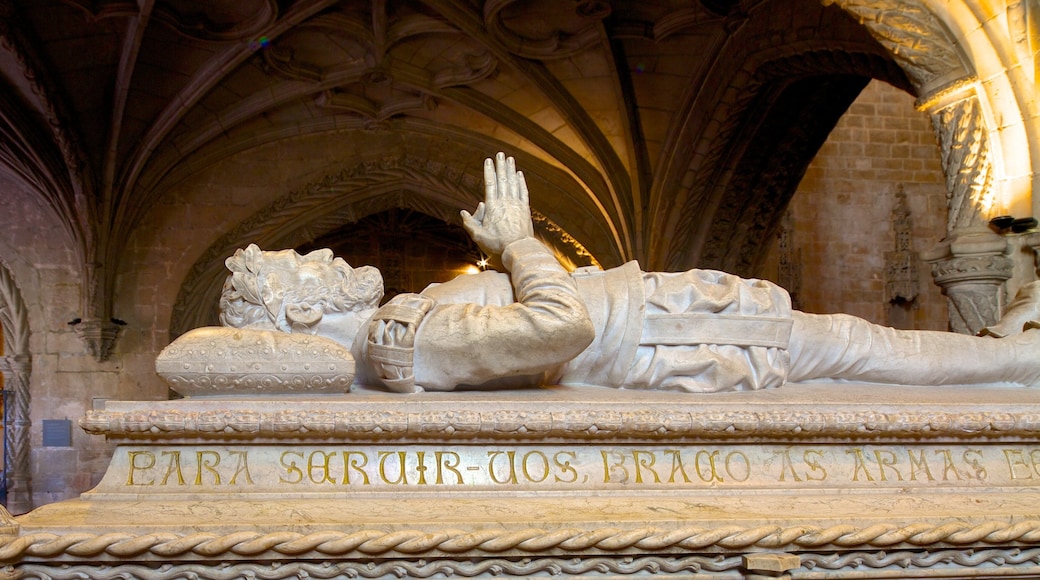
697	331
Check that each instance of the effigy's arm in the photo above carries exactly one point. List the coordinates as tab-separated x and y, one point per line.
546	326
472	344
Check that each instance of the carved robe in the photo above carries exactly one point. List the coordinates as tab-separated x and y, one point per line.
696	331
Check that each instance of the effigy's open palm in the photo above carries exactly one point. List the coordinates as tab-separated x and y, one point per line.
505	214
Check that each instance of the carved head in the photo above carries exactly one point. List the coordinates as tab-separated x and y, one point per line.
286	291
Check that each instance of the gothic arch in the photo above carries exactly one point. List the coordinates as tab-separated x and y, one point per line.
343	198
16	366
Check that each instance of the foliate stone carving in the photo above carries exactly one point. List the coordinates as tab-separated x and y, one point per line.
901	263
906	560
439	568
914	36
964	144
512	425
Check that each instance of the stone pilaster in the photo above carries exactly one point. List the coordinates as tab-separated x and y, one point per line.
16	371
971	264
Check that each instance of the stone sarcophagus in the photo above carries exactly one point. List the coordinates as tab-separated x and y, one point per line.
809	481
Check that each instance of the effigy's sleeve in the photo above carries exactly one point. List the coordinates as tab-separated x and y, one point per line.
472	344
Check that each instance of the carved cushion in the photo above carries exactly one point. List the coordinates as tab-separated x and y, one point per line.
233	361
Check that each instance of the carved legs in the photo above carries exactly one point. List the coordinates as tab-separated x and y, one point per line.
840	346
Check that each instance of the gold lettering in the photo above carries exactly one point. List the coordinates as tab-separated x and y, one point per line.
812	457
527	471
713	474
291	468
1015	459
861	464
149	458
322	467
402	475
565	466
241	466
444	464
886	458
918	463
1034	456
948	464
677	466
349	463
609	469
204	465
174	465
642	463
786	466
510	456
973	457
743	459
420	466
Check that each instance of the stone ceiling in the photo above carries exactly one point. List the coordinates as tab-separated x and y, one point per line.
669	131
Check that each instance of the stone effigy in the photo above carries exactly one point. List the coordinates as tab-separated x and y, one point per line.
270	469
698	331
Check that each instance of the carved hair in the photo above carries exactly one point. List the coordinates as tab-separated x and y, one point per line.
284	290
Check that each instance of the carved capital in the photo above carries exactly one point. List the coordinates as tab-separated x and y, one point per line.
99	335
971	267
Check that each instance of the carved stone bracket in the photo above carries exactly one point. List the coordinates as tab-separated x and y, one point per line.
99	335
971	267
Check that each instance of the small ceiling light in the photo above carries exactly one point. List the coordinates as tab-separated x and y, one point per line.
482	263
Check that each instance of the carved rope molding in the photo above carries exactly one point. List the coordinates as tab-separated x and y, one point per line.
547	425
373	542
501	567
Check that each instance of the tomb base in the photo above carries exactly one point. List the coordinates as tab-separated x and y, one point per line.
807	481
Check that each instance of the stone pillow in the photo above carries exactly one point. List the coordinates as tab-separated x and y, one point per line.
216	360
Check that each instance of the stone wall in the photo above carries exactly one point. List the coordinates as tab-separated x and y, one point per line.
841	217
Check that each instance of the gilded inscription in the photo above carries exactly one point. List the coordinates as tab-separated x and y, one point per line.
538	467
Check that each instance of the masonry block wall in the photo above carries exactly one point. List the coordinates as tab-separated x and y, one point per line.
841	216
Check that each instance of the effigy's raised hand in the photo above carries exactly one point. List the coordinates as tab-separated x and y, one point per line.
505	214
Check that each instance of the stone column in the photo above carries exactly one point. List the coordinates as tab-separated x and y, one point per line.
16	371
972	263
